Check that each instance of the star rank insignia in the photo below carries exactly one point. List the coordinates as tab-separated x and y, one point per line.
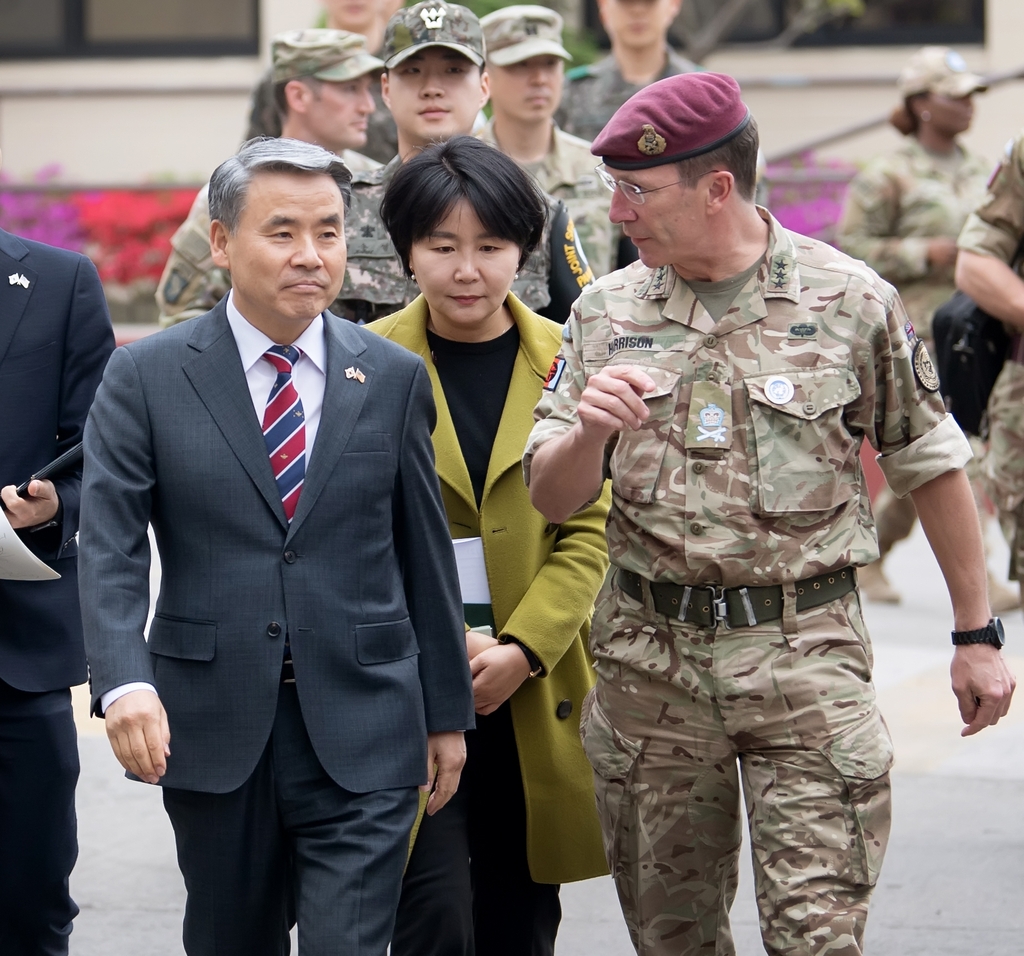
780	273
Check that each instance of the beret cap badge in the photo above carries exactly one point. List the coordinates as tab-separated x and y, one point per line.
651	142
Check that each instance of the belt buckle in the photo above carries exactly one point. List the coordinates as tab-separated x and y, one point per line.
720	606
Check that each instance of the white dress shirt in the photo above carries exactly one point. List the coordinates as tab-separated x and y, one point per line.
309	375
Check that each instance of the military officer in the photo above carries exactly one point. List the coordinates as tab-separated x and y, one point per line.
322	81
525	61
724	384
638	30
435	85
367	18
989	270
902	215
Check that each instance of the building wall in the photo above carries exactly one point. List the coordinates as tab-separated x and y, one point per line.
135	121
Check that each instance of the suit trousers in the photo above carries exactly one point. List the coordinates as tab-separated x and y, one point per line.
290	841
467	889
38	831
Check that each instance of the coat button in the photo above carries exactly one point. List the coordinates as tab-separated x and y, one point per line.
808	408
564	709
273	629
711	341
696	528
289	557
698	468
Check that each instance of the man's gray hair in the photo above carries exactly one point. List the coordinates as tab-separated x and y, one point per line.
229	184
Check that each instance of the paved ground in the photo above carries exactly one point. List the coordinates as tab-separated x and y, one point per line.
951	882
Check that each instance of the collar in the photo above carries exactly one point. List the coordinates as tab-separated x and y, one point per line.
252	343
778	279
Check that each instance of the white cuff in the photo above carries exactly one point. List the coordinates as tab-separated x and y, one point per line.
111	695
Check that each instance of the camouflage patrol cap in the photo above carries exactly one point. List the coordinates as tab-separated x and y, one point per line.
938	69
516	33
333	55
433	23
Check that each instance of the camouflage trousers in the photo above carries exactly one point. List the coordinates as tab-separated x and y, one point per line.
680	717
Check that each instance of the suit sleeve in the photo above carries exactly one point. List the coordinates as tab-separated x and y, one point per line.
114	551
428	561
88	342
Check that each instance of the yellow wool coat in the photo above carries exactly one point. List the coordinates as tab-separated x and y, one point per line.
543	579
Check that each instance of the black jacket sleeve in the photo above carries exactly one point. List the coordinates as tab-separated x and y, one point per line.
570	272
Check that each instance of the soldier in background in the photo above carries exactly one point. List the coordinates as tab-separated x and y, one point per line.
367	18
902	216
638	30
525	61
322	82
988	243
709	382
435	85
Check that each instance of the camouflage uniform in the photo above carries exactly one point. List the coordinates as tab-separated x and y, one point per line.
995	229
813	354
893	208
191	284
381	132
567	173
900	202
594	92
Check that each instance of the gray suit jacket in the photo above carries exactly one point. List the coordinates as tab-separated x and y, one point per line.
363	580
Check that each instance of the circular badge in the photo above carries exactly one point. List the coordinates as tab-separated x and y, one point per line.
923	368
779	389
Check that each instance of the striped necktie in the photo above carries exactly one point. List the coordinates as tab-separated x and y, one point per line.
284	428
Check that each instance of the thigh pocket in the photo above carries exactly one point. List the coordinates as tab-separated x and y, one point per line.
806	458
863	755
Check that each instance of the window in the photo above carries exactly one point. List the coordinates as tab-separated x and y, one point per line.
82	28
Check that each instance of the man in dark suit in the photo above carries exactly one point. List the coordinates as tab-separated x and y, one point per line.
55	338
306	664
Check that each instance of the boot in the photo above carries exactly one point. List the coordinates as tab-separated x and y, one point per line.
1001	597
874	585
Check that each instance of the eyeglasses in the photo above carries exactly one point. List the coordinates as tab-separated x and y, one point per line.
634	193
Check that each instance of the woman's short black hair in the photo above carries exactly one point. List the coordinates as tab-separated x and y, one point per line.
423	191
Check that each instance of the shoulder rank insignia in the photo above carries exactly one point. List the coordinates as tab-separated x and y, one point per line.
924	370
651	142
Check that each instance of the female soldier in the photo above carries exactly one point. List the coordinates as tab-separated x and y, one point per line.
484	873
903	214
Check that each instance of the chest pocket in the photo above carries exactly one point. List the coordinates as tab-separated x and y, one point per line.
637	458
806	458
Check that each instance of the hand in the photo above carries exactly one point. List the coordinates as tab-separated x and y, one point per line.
942	252
38	508
446	756
477	642
983	685
613	401
139	735
497	674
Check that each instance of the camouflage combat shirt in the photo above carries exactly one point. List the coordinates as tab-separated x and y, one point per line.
747	471
191	284
567	173
593	93
896	205
375	281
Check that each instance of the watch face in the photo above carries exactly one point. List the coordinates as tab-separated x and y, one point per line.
997	626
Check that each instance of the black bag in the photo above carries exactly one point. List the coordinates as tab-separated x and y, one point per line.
970	349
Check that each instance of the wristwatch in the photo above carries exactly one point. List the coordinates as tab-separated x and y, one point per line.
991	633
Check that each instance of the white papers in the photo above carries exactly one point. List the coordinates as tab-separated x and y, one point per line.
469	556
17	563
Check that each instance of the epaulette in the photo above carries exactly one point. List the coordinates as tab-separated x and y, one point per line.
578	72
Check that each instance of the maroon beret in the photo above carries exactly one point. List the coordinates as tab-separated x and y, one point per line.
674	119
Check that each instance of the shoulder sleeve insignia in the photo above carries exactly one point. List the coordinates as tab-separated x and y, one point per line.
651	142
174	286
554	374
924	370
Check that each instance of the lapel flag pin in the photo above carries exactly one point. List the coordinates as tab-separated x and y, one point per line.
16	279
357	374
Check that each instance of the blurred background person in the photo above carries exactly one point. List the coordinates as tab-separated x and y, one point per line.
484	872
638	30
367	18
55	339
435	85
902	215
526	64
321	88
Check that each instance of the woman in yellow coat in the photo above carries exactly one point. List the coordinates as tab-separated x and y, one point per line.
484	872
